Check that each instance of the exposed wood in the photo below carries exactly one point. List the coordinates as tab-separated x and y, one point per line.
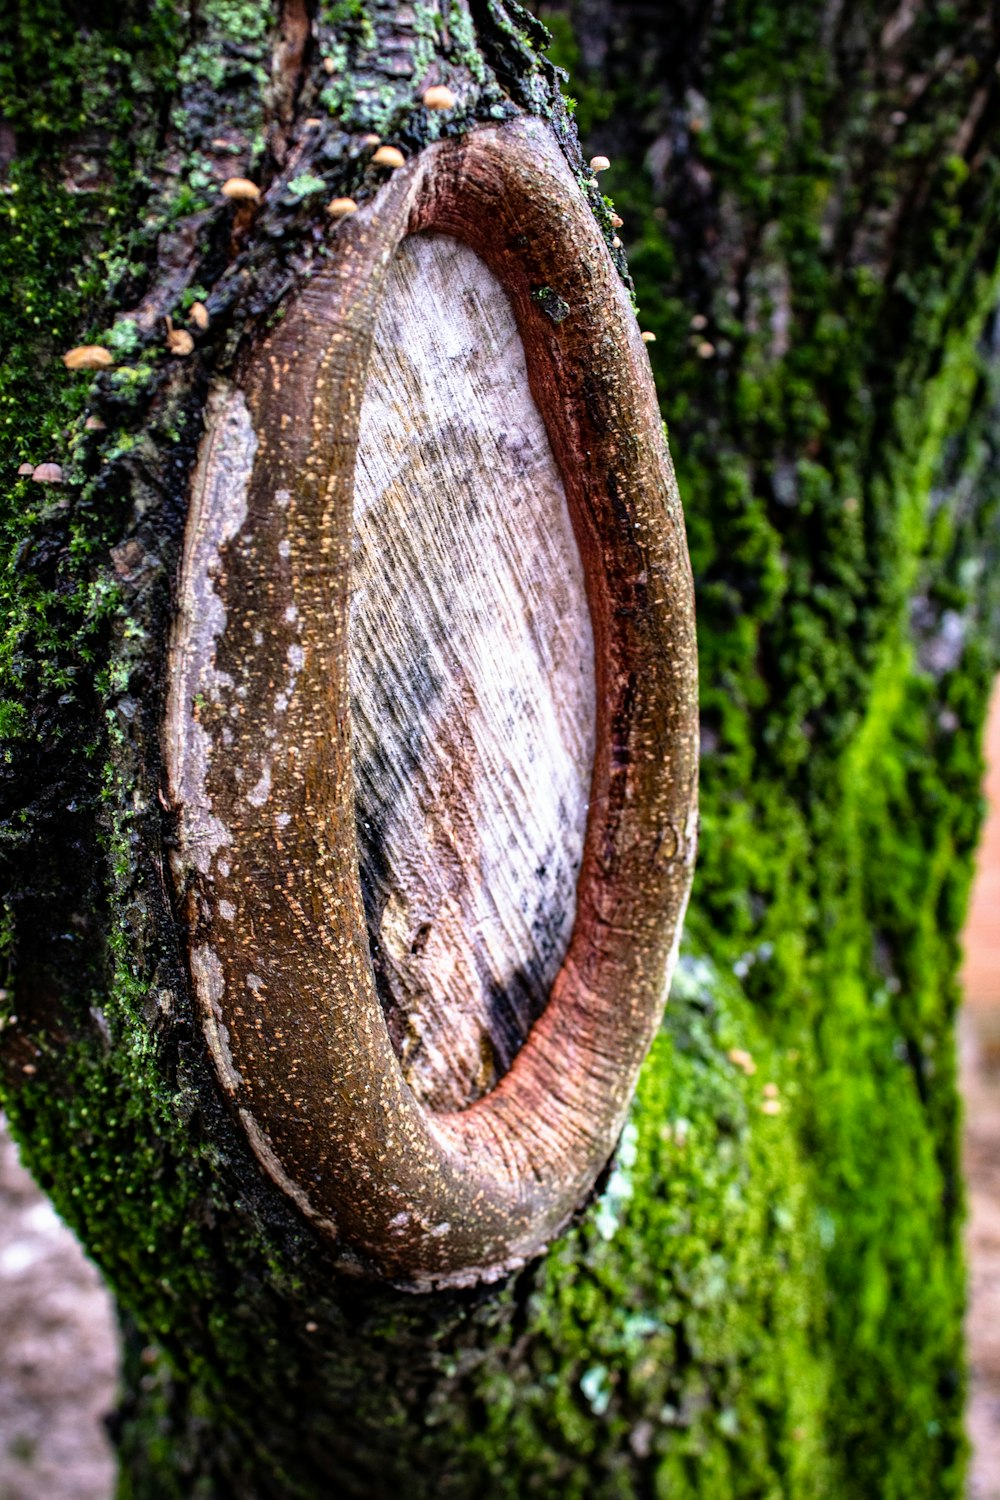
258	741
473	702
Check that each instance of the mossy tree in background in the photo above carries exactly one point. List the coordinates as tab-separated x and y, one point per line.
812	237
765	1297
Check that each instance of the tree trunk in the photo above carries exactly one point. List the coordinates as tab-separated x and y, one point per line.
764	1294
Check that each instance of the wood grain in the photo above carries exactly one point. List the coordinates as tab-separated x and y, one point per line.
473	702
258	743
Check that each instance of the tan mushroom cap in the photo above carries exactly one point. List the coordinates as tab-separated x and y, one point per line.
88	357
180	342
47	474
389	156
241	190
439	96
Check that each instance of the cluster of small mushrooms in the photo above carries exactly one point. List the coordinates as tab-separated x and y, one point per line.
180	342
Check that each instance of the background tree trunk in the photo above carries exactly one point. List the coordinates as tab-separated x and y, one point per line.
765	1297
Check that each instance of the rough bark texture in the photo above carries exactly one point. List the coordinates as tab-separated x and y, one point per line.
765	1296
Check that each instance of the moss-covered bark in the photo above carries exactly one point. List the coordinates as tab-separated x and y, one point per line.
765	1298
811	238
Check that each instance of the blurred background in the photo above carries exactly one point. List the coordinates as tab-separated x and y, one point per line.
979	1037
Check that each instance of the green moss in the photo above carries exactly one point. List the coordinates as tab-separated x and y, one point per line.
652	1327
819	414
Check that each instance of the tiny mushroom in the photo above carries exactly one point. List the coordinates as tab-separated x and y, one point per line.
179	341
94	424
599	164
241	190
338	208
25	469
617	221
47	474
329	66
439	97
371	139
647	337
389	156
199	315
616	243
88	357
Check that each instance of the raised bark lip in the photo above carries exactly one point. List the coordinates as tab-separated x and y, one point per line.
448	1199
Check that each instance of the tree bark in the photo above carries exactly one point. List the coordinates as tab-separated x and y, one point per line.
261	749
764	1294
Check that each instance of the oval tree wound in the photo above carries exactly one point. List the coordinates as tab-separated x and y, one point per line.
430	1044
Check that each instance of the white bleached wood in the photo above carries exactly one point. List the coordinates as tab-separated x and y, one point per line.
471	674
